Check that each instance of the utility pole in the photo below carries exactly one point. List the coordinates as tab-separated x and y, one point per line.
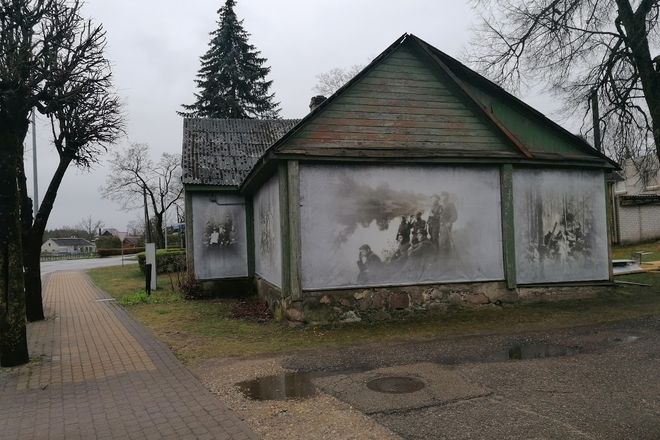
596	121
147	226
34	161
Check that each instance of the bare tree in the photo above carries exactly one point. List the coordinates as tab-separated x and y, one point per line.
575	49
135	181
329	82
51	60
85	117
91	227
136	227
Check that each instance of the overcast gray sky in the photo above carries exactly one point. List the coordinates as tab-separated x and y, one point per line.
155	47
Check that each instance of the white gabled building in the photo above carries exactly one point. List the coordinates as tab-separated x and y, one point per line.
71	245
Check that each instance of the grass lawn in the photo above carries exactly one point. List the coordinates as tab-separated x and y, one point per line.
201	329
621	252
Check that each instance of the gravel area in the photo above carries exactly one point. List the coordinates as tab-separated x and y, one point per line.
610	390
319	417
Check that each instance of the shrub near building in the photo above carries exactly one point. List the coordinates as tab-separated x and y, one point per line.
167	260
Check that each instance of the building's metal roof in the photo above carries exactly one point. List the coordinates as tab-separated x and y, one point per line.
223	151
73	241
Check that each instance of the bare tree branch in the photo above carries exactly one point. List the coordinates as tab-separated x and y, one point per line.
575	47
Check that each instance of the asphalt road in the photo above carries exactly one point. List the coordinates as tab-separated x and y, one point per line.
84	264
589	382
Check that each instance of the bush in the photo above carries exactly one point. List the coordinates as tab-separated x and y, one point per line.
167	260
108	243
109	252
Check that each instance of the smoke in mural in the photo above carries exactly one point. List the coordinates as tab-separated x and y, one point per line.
560	226
268	248
220	246
399	225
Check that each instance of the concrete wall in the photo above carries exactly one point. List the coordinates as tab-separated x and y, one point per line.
638	222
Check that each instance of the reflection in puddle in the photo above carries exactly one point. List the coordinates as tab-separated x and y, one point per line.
535	351
286	386
626	339
290	385
518	352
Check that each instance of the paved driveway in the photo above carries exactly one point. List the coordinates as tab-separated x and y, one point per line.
84	264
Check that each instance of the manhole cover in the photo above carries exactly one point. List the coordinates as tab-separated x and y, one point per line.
395	385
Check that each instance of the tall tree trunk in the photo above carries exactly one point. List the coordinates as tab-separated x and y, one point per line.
34	308
635	23
32	252
13	329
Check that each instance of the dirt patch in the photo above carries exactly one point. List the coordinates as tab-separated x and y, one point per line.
318	417
252	310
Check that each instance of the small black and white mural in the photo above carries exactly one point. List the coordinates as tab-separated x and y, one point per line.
560	226
220	241
268	247
398	225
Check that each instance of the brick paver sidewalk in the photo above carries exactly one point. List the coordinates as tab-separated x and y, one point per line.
104	376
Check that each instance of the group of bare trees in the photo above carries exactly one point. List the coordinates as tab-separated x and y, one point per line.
135	181
51	61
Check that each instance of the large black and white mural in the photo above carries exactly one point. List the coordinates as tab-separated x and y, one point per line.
399	225
267	241
220	239
560	226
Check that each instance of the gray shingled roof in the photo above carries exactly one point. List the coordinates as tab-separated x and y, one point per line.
223	151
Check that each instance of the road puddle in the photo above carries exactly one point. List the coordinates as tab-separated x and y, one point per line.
297	385
535	351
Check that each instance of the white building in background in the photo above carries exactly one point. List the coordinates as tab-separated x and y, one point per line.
636	202
71	245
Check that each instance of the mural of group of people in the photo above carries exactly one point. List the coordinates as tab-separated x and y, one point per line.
407	225
560	226
419	242
220	238
221	232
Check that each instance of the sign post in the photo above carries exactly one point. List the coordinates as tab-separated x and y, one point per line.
151	260
122	236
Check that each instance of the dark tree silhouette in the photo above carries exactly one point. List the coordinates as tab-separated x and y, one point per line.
578	48
232	77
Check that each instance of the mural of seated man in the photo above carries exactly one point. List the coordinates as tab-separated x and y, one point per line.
370	265
400	255
421	257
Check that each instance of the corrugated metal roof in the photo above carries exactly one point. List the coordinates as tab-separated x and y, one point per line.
223	151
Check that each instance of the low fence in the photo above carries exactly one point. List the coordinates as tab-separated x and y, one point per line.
67	256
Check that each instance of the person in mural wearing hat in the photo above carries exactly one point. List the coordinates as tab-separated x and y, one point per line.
370	265
404	230
421	257
417	224
400	255
434	219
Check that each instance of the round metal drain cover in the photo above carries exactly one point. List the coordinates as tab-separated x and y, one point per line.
395	385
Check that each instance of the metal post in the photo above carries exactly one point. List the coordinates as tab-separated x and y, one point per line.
147	287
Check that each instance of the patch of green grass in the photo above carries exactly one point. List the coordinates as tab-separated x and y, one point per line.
200	329
625	251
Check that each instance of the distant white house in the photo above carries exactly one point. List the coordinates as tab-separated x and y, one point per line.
636	201
71	245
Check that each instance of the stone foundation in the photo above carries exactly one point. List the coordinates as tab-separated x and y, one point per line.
377	304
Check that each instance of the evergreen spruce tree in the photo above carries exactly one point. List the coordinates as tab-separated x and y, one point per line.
232	75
